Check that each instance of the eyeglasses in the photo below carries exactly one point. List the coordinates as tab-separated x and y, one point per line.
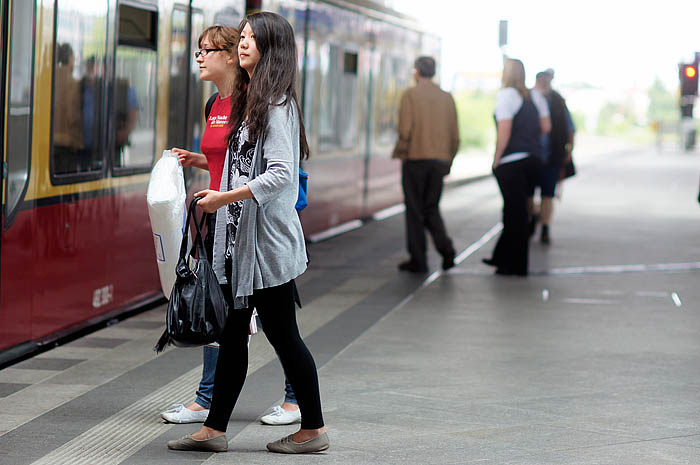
206	51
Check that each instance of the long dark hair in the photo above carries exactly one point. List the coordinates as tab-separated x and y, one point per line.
274	77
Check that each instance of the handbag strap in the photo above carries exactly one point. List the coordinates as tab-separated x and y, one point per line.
198	241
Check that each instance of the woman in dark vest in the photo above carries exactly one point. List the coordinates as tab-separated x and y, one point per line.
521	117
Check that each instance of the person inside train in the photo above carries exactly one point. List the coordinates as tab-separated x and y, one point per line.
218	63
127	116
90	98
259	246
521	117
68	130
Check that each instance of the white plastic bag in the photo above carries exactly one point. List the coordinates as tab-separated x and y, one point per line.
166	197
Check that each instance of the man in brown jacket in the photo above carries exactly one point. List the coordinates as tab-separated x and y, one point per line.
428	142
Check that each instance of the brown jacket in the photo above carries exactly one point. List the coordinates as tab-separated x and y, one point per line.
427	124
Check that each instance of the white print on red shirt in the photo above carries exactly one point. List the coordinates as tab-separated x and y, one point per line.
218	121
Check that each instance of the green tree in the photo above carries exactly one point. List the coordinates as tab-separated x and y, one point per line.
663	105
475	116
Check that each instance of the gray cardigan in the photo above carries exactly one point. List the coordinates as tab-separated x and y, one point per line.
269	249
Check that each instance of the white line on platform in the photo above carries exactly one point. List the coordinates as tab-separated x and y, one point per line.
626	268
335	231
479	244
652	294
458	259
676	299
590	301
389	212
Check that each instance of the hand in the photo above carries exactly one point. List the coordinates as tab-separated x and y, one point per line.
210	200
185	157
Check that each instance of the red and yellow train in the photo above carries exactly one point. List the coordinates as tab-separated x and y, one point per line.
93	90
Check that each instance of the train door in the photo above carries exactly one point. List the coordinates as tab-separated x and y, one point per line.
133	90
185	90
16	283
187	93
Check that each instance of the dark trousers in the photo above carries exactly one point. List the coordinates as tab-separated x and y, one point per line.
422	182
275	306
515	180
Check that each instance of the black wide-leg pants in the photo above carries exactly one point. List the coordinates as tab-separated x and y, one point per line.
515	180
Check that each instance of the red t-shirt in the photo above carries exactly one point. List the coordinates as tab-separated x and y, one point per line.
215	140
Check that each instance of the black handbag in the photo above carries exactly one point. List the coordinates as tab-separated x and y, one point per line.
197	309
568	170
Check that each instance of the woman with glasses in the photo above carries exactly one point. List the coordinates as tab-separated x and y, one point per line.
218	61
259	243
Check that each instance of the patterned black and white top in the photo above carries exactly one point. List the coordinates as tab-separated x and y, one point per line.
241	152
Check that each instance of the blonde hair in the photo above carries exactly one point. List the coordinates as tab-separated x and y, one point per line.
514	76
224	37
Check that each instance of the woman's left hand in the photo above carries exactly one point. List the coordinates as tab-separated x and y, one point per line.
210	200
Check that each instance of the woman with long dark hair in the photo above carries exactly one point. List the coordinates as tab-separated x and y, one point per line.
521	117
259	243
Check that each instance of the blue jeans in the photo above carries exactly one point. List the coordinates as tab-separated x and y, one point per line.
206	385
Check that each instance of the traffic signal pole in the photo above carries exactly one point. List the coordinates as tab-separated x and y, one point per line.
688	74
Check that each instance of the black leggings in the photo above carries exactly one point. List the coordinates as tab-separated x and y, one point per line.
275	306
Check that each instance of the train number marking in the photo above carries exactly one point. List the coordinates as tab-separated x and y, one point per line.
102	296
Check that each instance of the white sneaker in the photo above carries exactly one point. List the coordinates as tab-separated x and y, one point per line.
280	416
178	413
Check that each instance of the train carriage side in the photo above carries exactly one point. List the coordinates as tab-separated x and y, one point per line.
87	109
357	62
74	215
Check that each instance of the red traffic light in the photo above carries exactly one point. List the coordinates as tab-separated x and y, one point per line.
689	78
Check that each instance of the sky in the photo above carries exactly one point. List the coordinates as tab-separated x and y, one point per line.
611	44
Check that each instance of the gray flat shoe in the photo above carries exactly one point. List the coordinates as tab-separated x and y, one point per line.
287	446
217	444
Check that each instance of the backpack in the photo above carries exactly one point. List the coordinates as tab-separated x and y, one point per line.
303	175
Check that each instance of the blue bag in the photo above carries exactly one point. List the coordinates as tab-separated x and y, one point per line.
301	199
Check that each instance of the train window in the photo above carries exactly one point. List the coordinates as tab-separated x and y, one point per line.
134	91
350	63
138	27
19	118
78	83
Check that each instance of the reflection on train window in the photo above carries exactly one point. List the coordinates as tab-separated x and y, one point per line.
390	84
134	91
337	119
79	57
19	118
179	64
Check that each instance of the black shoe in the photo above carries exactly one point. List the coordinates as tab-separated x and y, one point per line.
412	267
509	272
448	261
489	261
544	236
